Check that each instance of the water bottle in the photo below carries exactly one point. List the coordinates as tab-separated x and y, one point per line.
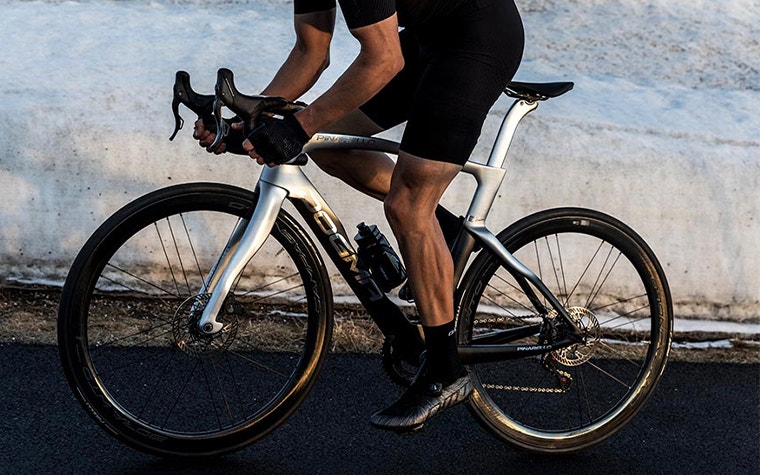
379	257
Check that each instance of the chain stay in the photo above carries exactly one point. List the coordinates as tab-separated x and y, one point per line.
500	387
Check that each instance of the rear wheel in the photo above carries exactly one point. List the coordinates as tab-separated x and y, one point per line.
615	290
127	335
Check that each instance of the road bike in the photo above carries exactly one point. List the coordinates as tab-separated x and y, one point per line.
196	319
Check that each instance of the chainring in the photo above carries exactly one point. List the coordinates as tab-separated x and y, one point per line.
399	371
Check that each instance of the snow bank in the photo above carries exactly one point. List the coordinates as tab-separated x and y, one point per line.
661	129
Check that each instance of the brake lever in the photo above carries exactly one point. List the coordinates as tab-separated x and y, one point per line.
201	104
248	108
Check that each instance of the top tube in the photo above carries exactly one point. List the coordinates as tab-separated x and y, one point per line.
497	158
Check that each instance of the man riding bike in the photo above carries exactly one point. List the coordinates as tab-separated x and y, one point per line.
440	73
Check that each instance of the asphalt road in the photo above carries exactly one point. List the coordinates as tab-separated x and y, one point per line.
703	419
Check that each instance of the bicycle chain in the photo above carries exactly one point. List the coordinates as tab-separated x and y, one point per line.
501	387
495	320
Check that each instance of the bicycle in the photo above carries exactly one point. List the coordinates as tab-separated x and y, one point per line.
196	319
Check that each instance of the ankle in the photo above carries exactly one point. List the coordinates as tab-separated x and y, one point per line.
442	357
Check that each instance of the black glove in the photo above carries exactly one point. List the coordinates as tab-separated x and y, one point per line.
278	140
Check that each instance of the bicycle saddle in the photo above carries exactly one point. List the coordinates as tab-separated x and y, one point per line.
532	91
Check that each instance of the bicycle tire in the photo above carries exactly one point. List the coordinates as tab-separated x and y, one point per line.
126	336
572	399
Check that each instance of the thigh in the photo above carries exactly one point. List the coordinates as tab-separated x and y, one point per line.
467	68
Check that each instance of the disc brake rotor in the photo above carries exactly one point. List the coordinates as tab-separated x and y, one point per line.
579	353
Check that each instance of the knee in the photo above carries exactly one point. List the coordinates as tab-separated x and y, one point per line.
402	215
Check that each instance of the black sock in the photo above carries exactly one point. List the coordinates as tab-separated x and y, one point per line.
442	359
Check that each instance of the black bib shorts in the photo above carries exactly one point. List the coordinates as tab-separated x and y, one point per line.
455	69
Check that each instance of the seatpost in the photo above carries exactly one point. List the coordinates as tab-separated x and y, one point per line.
519	109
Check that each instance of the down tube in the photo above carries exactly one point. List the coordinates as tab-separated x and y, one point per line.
332	235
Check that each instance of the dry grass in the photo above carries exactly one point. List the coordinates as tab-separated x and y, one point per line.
28	315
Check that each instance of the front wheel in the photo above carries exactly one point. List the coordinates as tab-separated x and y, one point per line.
128	338
614	289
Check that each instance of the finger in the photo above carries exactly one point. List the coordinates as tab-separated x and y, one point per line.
198	129
237	126
207	139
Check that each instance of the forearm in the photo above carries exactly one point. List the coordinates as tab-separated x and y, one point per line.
308	59
362	80
379	60
297	74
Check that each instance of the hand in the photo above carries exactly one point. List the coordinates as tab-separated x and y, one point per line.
206	137
232	143
276	140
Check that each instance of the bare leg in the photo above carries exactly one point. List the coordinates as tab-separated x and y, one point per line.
416	188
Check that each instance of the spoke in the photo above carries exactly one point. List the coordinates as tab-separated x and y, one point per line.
222	392
620	302
212	402
625	323
138	360
500	292
179	255
158	381
235	385
601	284
561	265
141	342
256	363
540	270
259	289
192	248
583	274
167	292
585	400
180	393
619	353
553	266
614	378
166	254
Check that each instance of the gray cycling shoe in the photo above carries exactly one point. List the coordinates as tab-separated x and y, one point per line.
423	400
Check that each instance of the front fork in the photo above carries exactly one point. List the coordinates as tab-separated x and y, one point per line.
245	241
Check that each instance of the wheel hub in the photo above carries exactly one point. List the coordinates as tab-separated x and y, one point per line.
187	336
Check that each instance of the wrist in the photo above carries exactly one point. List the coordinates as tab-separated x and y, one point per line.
303	117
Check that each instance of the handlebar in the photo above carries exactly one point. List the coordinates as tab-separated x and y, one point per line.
247	108
208	107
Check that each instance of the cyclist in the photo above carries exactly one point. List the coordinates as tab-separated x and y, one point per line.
440	74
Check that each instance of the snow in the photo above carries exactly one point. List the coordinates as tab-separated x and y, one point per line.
85	88
691	64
